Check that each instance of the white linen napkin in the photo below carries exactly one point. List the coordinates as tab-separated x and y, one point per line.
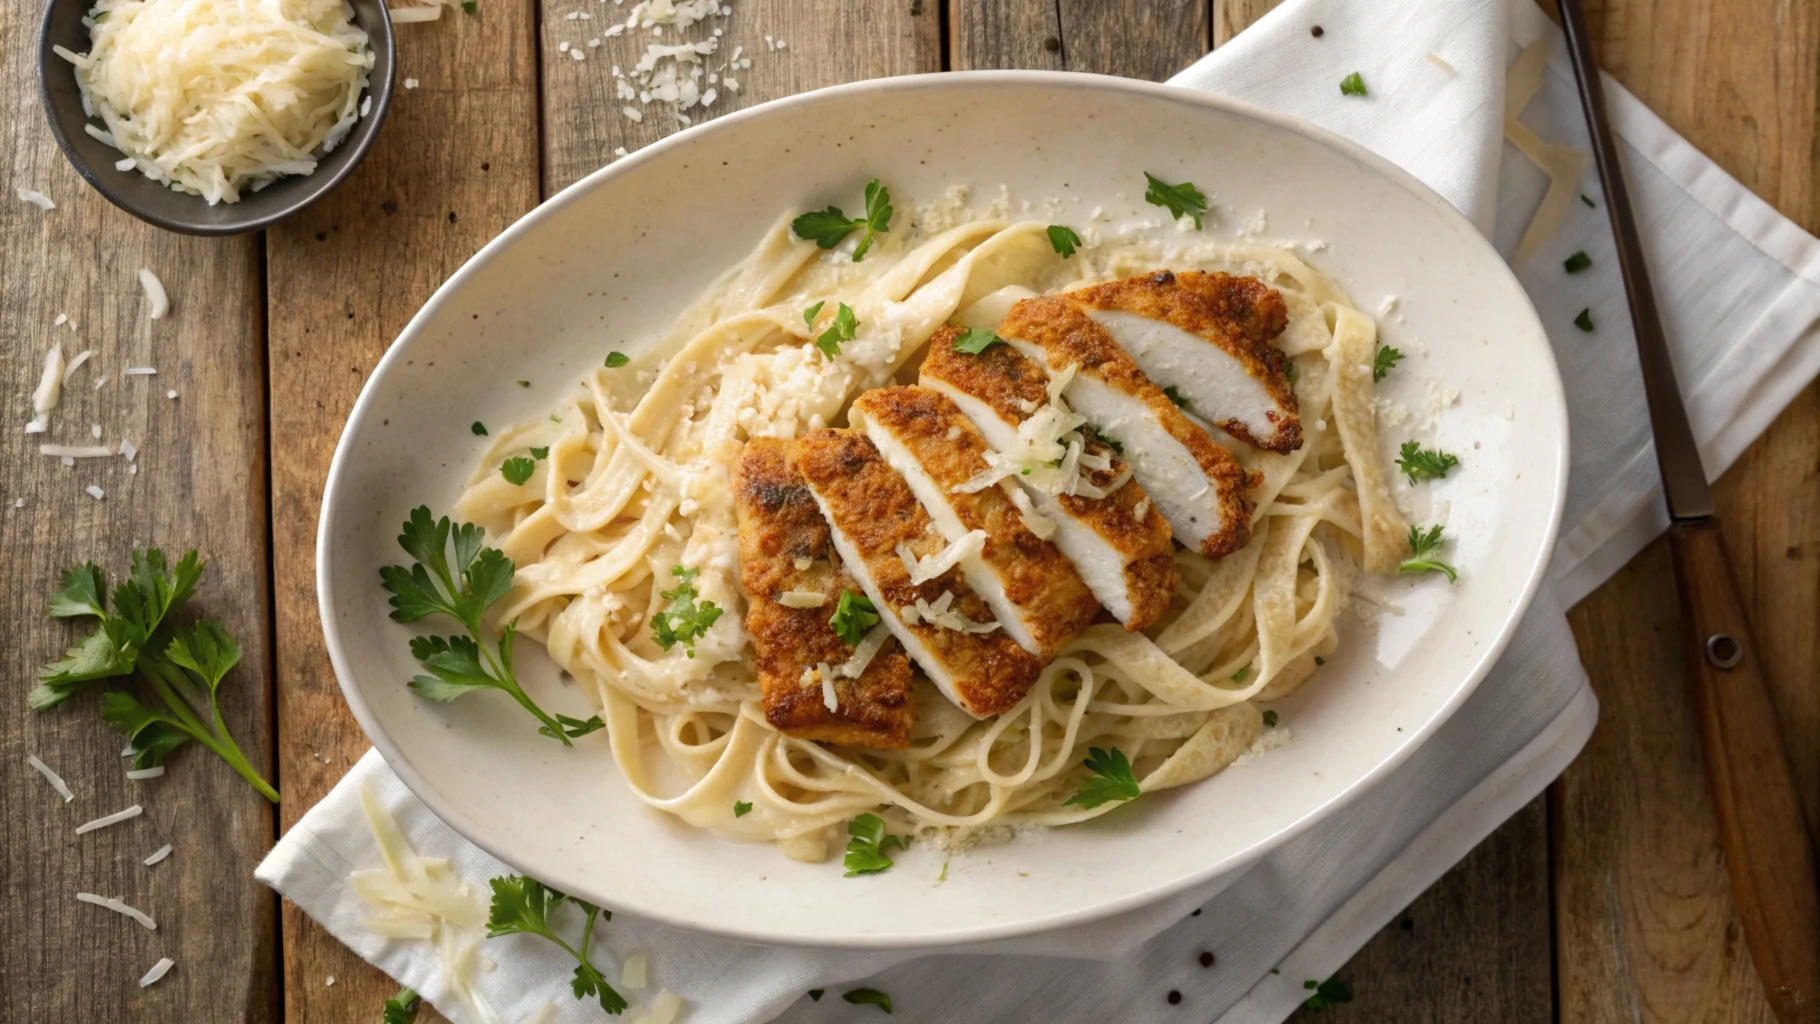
1310	905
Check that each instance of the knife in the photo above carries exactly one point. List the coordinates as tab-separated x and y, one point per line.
1768	853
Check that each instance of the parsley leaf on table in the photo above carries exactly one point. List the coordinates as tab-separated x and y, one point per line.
974	340
1327	994
854	615
827	227
1353	85
1063	239
684	621
1584	321
1384	361
862	996
1422	547
1112	779
1418	464
1577	262
463	590
523	906
400	1009
1182	200
867	845
182	668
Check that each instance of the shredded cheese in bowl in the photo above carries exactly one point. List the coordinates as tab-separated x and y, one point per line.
220	97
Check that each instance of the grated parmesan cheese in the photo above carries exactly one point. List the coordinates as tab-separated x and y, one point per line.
159	970
139	774
112	819
830	699
118	907
70	451
157	855
219	97
634	973
56	781
154	292
81	357
922	570
940	614
410	15
50	386
664	1009
801	599
1436	60
95	492
37	198
141	371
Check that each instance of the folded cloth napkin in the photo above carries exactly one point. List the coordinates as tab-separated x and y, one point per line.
1308	906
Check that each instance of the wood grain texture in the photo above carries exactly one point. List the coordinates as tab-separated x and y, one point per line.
456	164
200	483
1147	39
1768	857
825	42
1474	947
1646	927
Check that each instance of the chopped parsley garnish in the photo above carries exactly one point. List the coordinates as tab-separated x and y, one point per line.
861	996
1176	396
741	808
854	615
827	227
1418	464
1422	548
1584	320
1327	994
975	340
1270	719
1290	372
517	470
1384	361
1244	670
1112	779
181	667
1353	85
401	1008
943	877
615	360
479	428
524	383
573	727
812	312
1587	200
541	453
867	844
1319	661
1117	448
685	621
840	329
1182	200
522	906
1063	239
1577	262
469	7
463	589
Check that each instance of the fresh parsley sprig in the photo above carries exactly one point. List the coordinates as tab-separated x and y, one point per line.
827	227
401	1008
1384	361
1112	779
183	668
1063	239
522	906
573	727
1419	464
867	844
854	615
1182	200
974	340
1422	548
686	620
840	329
463	590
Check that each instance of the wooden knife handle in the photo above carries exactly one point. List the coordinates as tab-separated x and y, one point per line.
1768	852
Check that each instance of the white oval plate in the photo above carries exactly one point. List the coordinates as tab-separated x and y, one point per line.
611	260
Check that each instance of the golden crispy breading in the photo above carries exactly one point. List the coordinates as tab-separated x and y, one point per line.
1239	316
780	524
1068	336
875	511
1006	381
1051	601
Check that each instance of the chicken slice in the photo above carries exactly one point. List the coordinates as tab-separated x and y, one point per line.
1207	337
1035	592
942	623
1197	485
1118	543
784	555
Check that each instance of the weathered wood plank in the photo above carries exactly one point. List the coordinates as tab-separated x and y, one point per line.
826	42
1149	40
1645	922
456	163
1474	947
200	483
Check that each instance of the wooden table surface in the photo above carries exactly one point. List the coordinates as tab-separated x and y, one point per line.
1605	901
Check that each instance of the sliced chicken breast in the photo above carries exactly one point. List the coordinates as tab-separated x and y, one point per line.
1207	338
946	628
785	563
1197	485
1032	587
1119	544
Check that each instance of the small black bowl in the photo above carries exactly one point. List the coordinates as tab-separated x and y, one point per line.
180	211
